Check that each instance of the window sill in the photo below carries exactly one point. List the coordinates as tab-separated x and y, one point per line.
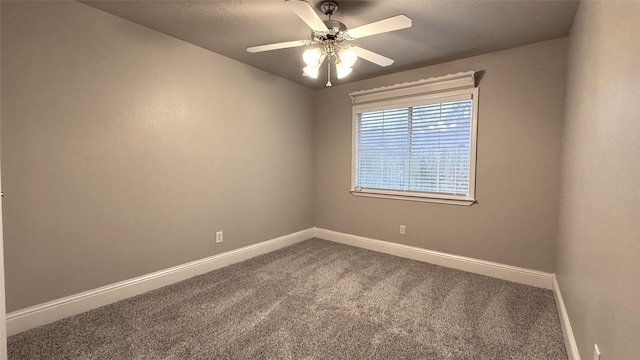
416	198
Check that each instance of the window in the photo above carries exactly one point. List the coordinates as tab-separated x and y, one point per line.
416	141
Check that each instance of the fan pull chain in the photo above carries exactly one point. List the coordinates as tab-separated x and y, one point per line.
329	72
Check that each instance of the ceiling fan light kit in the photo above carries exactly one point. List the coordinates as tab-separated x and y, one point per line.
328	37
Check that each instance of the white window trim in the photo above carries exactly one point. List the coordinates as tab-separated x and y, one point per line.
418	91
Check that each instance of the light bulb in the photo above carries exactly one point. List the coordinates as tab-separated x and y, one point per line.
348	57
311	57
342	70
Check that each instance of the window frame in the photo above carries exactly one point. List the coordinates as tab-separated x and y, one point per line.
415	97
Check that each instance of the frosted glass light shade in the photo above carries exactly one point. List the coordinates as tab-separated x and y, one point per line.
342	70
348	57
312	57
311	71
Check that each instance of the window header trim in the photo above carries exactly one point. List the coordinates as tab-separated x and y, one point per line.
461	80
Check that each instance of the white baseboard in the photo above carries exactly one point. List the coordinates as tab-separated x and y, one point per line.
25	319
483	267
567	331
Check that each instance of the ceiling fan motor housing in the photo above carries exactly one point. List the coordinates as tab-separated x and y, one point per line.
337	32
335	25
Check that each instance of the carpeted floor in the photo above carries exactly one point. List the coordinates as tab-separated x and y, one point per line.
314	300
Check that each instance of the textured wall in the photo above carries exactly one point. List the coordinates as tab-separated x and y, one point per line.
598	260
124	150
519	127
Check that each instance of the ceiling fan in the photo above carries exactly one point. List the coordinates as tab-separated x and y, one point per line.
331	36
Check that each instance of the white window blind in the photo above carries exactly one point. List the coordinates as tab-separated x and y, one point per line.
417	147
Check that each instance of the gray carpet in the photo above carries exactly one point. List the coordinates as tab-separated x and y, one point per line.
314	300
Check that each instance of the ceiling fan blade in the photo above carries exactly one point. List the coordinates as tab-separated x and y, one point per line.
305	11
372	57
276	46
391	24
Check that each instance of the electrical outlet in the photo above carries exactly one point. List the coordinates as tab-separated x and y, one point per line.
402	229
596	352
219	237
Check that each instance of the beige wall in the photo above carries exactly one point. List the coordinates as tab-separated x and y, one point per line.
598	257
3	327
124	150
519	127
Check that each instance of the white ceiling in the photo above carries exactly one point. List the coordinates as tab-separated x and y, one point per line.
442	30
